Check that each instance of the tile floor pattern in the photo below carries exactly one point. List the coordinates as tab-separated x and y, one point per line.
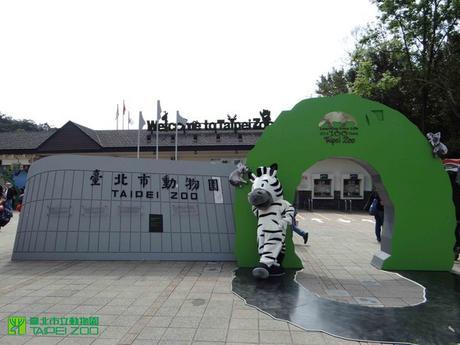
337	262
152	302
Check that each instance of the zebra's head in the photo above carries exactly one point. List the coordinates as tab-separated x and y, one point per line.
266	188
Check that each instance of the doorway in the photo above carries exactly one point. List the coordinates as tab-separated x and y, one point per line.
336	194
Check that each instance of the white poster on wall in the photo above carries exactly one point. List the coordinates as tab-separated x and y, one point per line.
218	196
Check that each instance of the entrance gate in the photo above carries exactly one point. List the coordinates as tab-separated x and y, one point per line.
419	214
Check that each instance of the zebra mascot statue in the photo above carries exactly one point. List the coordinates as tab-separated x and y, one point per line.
273	214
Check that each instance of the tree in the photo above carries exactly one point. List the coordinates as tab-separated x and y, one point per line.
410	61
424	27
333	84
8	124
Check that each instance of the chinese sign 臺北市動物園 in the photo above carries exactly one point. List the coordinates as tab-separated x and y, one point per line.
146	188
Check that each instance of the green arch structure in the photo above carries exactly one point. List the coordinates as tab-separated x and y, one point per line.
420	220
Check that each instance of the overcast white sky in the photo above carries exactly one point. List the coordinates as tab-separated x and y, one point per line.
75	60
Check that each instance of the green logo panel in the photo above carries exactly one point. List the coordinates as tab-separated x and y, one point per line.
16	325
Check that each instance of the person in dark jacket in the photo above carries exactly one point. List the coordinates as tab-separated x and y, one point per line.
453	176
8	194
378	213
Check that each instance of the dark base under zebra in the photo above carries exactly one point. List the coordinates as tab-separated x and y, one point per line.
437	321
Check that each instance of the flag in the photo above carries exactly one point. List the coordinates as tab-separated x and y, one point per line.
124	107
141	120
141	124
158	110
117	114
180	119
130	120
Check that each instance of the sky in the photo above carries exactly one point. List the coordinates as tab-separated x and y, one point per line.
76	60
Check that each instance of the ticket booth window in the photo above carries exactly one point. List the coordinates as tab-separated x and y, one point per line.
323	186
352	186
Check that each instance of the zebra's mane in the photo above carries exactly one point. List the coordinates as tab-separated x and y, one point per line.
271	172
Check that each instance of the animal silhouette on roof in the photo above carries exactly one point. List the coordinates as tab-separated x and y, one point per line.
266	117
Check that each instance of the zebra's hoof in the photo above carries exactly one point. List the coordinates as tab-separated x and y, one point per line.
260	272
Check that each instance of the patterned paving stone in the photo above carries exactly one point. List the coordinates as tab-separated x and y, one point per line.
184	303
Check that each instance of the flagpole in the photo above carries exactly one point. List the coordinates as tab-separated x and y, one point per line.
177	113
129	118
157	141
158	120
118	114
139	136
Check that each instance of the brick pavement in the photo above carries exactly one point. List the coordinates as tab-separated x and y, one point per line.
168	302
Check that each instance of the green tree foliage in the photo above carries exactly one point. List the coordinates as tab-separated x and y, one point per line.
8	124
410	61
334	83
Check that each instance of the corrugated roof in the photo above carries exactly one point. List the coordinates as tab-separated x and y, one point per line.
23	140
128	138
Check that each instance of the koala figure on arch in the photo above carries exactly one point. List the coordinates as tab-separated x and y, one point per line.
439	149
274	214
236	177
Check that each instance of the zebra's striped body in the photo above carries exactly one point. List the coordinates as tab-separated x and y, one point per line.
273	218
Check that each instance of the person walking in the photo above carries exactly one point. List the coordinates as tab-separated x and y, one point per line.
8	194
455	183
20	200
376	209
297	230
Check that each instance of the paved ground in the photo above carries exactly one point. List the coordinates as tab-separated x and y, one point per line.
190	303
337	262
